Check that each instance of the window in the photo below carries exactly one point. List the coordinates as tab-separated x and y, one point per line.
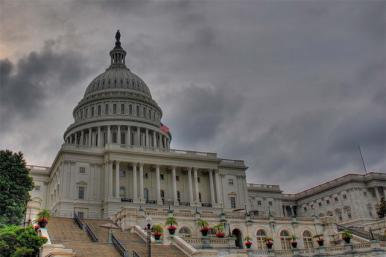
364	193
260	236
122	173
82	170
305	209
146	194
307	240
99	110
336	199
122	192
81	215
199	197
327	201
146	175
130	109
114	137
162	176
178	196
320	204
184	232
114	108
259	203
122	108
344	196
137	110
177	178
81	192
92	111
123	138
230	181
37	188
285	240
270	203
198	179
232	199
106	109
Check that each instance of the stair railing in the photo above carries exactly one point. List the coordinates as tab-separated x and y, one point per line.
90	233
354	232
78	221
119	247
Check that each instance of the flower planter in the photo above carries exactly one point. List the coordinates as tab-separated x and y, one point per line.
220	234
347	240
204	231
248	244
320	242
42	222
172	230
157	236
269	245
294	244
36	227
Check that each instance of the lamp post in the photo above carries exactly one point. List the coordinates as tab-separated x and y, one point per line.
148	228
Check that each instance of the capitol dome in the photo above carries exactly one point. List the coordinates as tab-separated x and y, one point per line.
117	108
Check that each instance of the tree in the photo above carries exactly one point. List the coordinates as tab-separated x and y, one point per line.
381	210
19	242
15	184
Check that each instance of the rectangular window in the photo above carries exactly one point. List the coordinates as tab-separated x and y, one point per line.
114	108
122	108
146	175
81	192
114	137
37	188
99	110
106	109
82	170
122	173
80	215
130	109
259	203
328	201
320	204
86	113
230	181
123	138
336	199
92	111
344	196
270	203
162	176
233	202
177	178
198	179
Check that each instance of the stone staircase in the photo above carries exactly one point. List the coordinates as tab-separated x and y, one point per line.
132	242
65	231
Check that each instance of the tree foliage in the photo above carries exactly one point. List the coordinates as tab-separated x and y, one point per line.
381	210
19	242
15	184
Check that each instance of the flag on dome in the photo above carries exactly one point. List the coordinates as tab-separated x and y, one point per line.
164	128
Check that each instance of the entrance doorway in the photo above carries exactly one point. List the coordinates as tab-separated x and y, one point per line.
238	238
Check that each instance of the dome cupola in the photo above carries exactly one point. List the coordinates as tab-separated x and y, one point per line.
117	108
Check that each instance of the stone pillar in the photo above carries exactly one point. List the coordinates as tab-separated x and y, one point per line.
128	136
174	185
89	137
141	198
377	194
218	185
110	171
108	135
99	137
164	140
147	141
211	186
117	179
135	181
76	138
158	185
159	140
190	186
82	137
197	200
139	136
119	135
154	139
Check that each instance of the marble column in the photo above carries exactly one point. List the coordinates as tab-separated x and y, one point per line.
218	188
147	141
110	174
89	137
117	179
135	182
197	200
141	197
191	201
128	136
99	137
108	135
158	185
138	136
174	185
211	186
154	139
159	140
76	138
119	135
82	137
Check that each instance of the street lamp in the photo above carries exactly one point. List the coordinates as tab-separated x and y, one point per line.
148	228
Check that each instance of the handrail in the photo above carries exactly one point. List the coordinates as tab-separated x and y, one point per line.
118	245
354	232
135	254
78	221
90	233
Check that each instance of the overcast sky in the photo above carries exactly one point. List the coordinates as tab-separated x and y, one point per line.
291	87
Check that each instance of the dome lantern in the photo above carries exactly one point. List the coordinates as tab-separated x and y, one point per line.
117	54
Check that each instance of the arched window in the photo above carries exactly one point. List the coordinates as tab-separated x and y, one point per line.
260	236
185	232
285	240
122	192
146	194
307	240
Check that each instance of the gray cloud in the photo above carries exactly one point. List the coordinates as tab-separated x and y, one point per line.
290	87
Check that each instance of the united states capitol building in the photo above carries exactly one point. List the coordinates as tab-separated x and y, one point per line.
116	165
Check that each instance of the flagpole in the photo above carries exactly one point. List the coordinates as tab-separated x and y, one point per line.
363	161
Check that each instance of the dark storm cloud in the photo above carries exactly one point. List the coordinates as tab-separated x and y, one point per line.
291	87
26	85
